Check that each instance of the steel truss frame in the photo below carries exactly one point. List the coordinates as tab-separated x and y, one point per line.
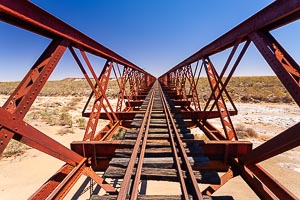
256	29
180	82
28	16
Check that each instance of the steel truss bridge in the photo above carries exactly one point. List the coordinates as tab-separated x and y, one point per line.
156	112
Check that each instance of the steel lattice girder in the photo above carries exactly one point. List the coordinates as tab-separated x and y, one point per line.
277	14
256	29
28	16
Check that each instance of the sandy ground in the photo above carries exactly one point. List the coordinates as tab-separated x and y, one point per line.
21	176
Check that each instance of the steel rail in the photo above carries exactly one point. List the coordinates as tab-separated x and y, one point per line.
184	158
128	174
137	178
174	150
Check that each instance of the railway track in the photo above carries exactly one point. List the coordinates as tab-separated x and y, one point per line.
158	153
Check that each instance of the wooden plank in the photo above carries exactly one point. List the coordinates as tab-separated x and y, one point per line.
140	197
158	152
160	197
158	120
155	136
164	162
207	177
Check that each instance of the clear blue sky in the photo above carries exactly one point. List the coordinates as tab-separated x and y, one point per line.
154	34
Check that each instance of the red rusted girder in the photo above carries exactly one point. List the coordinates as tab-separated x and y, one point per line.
224	179
255	29
28	16
277	14
284	66
64	179
283	142
122	92
24	95
213	78
193	89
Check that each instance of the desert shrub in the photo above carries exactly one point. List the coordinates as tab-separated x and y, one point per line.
65	119
14	148
243	132
198	136
73	103
64	131
81	123
119	135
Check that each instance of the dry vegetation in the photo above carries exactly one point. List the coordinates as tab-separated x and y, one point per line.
244	132
258	89
14	148
242	89
66	87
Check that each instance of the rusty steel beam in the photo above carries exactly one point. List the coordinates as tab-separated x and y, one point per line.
275	15
286	69
27	134
213	78
49	186
28	16
24	95
123	93
255	184
277	188
262	183
214	187
64	179
61	190
283	142
195	98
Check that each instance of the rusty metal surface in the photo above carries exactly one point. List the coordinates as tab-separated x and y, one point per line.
275	15
179	83
28	16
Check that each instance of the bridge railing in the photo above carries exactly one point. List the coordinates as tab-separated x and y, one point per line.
257	30
28	16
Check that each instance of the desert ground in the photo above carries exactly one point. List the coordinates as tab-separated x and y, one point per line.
22	174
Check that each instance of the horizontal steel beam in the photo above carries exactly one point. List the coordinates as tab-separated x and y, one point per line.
273	16
30	136
102	151
26	15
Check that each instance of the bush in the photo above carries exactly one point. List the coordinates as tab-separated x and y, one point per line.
64	131
65	119
119	135
14	148
243	132
81	123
